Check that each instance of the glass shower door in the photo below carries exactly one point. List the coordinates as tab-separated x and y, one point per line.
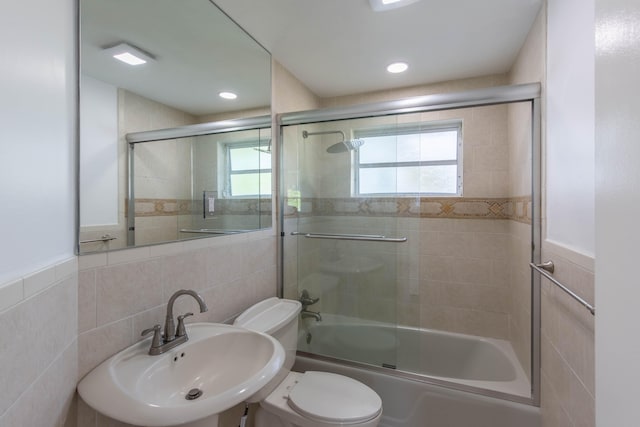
341	253
454	304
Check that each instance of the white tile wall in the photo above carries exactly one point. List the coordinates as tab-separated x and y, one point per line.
38	339
121	293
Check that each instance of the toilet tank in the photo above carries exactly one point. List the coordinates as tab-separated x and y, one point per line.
278	318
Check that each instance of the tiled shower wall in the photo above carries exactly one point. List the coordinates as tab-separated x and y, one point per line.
453	273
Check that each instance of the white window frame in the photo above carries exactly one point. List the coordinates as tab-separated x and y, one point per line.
413	128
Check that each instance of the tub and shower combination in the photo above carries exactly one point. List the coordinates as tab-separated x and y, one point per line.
413	246
443	357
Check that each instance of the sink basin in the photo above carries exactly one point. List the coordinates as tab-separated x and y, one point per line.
228	364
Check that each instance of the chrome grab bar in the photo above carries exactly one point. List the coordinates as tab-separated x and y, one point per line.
544	269
104	239
359	237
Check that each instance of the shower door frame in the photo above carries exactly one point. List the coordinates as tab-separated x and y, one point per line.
529	92
199	129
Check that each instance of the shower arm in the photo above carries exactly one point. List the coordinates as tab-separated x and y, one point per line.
343	145
344	142
306	134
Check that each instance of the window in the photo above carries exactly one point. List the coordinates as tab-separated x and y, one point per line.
412	159
249	170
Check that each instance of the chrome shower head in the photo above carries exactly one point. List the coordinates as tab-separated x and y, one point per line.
344	146
339	147
262	150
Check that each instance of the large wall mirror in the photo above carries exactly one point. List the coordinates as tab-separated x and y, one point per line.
175	137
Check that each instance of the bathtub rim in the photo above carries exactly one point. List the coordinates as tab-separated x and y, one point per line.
394	410
421	378
524	390
452	384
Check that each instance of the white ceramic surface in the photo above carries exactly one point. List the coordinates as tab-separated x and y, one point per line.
468	360
228	363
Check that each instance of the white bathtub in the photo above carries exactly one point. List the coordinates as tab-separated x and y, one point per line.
443	358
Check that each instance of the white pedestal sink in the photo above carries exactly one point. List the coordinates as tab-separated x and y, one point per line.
227	364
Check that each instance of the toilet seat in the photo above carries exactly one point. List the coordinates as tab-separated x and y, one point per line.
333	398
322	399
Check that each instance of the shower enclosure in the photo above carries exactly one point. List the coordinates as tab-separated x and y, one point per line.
199	180
409	227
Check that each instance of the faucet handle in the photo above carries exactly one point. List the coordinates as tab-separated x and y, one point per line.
180	330
306	299
157	335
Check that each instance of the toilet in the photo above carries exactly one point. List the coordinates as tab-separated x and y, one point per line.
309	399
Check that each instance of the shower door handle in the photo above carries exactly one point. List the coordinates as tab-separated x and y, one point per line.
360	237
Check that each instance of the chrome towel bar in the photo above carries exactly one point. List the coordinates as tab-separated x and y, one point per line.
212	231
544	269
360	237
104	239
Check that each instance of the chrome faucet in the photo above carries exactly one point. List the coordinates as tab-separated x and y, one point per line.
306	300
173	336
308	313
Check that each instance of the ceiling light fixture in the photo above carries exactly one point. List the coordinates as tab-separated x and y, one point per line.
382	5
227	95
129	54
397	67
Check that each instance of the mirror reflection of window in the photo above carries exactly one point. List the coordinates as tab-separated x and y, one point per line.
249	171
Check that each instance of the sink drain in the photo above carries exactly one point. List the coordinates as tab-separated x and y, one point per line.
193	394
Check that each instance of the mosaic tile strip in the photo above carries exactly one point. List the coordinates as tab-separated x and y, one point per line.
162	207
172	207
516	208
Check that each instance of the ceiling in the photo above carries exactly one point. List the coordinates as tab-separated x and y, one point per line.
340	47
335	47
198	52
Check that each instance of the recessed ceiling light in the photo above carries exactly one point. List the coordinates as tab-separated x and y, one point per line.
129	54
227	95
382	5
397	67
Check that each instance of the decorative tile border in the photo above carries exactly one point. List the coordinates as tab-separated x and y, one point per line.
162	207
173	207
515	208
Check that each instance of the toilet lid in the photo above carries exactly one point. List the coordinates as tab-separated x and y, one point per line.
333	398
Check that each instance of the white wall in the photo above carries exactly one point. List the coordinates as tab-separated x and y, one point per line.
570	125
617	211
99	153
38	352
36	135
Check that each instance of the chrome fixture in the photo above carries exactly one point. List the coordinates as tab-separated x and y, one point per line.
262	150
212	231
308	313
173	336
105	238
340	147
306	300
361	237
548	267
